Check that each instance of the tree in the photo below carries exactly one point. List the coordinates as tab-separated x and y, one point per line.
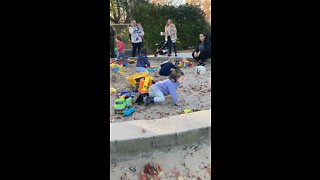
189	19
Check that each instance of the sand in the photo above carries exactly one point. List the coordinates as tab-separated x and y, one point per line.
188	162
195	93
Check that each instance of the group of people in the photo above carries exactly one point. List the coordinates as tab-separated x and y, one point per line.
158	91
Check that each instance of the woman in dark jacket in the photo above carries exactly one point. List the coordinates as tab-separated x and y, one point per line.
112	34
203	50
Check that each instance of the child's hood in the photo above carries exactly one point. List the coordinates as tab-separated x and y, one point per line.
142	56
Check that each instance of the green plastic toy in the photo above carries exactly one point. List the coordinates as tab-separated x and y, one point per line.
121	104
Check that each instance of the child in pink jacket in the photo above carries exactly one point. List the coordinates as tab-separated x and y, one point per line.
120	46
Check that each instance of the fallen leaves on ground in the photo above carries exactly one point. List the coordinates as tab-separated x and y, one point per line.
179	178
151	172
124	177
113	165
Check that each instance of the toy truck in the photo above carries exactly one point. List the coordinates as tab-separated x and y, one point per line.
121	104
144	84
129	111
135	79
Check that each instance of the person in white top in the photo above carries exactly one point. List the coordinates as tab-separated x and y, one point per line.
136	37
170	32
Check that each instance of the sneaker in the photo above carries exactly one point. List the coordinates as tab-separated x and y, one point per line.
169	55
176	55
200	63
148	100
136	97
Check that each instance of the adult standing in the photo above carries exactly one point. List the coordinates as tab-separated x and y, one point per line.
112	34
136	37
203	49
170	31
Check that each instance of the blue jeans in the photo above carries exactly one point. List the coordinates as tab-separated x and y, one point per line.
157	94
121	55
141	69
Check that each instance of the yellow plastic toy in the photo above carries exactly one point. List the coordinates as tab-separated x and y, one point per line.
145	84
180	64
133	79
113	90
117	68
131	61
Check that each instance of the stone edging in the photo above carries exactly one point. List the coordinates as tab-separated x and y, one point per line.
146	135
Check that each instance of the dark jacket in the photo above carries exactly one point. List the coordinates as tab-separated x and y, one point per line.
166	69
207	49
143	61
112	33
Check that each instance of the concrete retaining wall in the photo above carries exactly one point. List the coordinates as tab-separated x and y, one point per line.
133	137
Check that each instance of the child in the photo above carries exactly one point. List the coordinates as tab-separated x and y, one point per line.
158	91
120	46
140	31
142	61
167	66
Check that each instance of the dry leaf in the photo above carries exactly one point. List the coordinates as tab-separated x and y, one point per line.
155	177
142	177
161	174
113	165
208	170
180	178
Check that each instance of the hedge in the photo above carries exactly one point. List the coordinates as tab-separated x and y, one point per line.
189	20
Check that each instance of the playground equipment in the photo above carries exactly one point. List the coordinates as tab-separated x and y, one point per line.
153	69
116	68
135	78
112	90
121	104
127	94
129	111
116	51
131	61
187	63
144	84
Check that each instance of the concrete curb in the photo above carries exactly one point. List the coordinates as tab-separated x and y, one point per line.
166	58
132	137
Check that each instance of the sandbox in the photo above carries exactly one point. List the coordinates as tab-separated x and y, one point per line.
195	93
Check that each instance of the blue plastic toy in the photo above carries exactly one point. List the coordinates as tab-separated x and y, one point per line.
124	92
129	111
116	69
151	69
127	94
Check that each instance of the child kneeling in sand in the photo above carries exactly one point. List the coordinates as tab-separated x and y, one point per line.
167	67
158	91
142	61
